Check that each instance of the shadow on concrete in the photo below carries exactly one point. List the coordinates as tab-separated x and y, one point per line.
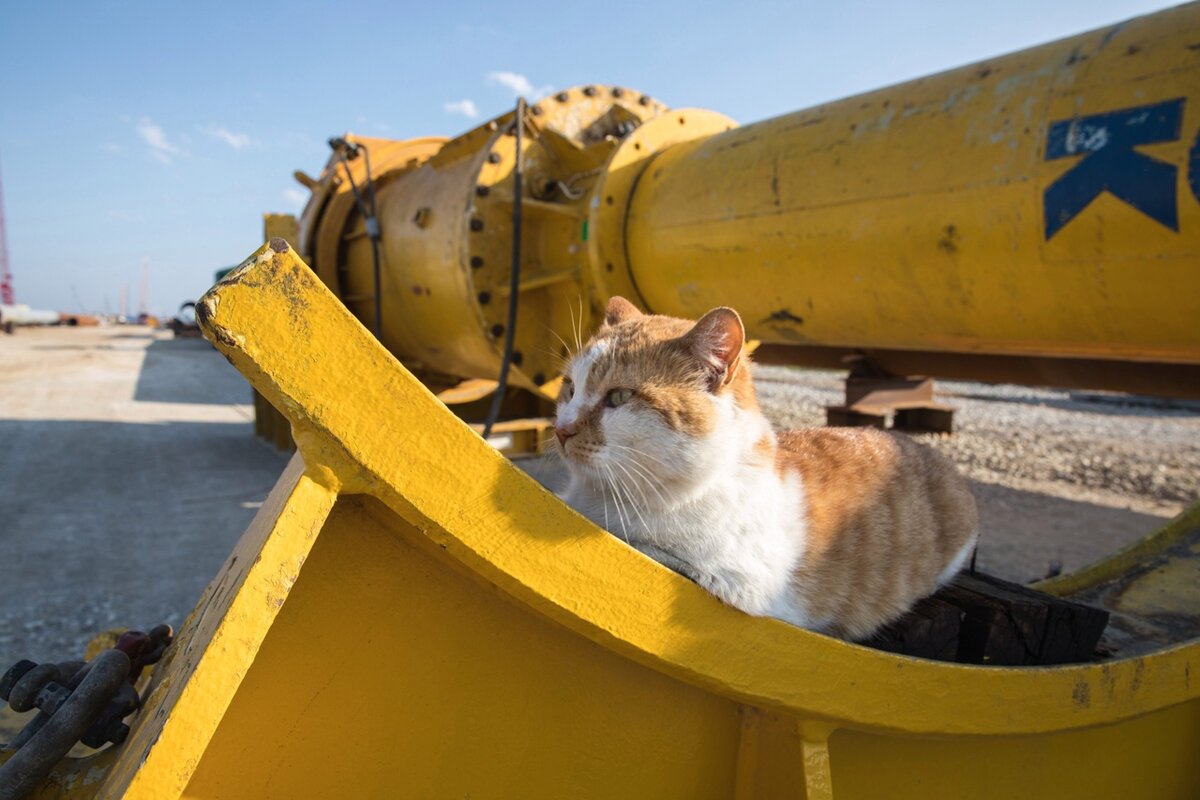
181	371
107	524
1022	533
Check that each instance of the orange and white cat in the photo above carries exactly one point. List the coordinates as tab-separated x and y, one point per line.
835	530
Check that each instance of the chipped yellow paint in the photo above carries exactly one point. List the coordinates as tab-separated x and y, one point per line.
409	614
1173	588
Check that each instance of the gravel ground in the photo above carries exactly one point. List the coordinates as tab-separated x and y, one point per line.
1119	450
1059	475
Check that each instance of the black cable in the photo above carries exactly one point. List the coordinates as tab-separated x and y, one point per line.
514	280
370	221
374	234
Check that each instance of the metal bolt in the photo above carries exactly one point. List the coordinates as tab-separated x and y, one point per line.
497	331
51	697
517	358
539	378
536	111
485	298
481	191
589	91
608	266
476	224
561	97
618	91
476	262
644	100
493	158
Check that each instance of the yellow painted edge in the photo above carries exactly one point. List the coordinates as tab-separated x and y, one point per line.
1120	562
218	642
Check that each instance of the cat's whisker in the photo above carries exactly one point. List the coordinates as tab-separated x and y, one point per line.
650	481
656	483
617	487
617	501
623	498
574	327
579	328
563	341
605	500
634	484
642	453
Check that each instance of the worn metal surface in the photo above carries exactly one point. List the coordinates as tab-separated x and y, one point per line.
1036	204
445	210
531	654
69	714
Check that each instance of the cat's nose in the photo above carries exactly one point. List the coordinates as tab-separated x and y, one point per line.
564	432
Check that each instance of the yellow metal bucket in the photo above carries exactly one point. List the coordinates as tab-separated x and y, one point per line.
412	616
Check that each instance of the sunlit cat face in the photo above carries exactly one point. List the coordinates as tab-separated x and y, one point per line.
641	401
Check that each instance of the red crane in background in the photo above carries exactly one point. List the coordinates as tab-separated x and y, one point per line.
6	284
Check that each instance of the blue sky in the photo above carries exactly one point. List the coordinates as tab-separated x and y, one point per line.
139	133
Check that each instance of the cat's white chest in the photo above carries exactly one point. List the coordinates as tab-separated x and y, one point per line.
745	538
741	538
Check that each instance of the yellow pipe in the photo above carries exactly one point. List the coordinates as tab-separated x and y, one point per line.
1034	218
1036	204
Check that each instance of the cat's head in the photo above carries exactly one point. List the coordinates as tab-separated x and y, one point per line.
653	394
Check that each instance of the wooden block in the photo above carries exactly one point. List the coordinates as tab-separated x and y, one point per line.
930	630
1008	624
979	619
844	416
936	419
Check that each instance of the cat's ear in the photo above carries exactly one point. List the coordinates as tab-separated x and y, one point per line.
717	339
620	310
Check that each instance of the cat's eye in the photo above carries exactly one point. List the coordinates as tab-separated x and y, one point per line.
617	397
566	390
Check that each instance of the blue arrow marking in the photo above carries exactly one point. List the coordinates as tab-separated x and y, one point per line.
1110	164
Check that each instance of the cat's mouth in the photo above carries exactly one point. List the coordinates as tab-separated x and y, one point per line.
579	453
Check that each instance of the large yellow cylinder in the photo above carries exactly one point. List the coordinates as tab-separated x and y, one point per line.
1036	204
1033	218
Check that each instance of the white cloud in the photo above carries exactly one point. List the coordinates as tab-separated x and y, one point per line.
295	197
465	107
235	140
109	147
160	147
519	84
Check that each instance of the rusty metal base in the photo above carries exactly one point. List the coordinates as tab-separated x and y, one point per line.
871	399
